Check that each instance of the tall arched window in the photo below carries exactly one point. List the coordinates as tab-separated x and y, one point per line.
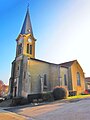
65	80
78	79
19	49
28	48
45	80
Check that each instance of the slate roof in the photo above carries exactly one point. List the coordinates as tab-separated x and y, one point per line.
27	28
43	61
67	64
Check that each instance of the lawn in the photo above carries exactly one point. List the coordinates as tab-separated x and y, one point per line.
78	96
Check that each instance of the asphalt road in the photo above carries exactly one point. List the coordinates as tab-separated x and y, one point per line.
79	110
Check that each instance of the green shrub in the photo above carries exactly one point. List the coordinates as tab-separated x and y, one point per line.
59	93
32	97
47	96
19	101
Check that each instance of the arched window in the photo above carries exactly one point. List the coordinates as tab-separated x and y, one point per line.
28	48
45	80
65	80
78	79
19	49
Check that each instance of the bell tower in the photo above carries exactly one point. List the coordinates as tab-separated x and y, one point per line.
26	40
25	49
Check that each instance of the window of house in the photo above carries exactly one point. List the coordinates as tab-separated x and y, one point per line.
28	48
45	80
60	81
65	79
78	79
19	49
18	67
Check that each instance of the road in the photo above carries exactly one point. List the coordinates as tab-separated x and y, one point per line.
79	110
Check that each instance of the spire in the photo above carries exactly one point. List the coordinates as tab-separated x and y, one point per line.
27	28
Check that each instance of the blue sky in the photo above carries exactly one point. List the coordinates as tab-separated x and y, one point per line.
61	27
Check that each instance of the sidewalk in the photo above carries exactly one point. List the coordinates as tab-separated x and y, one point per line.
6	115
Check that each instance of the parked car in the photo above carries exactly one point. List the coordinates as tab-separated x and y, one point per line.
87	91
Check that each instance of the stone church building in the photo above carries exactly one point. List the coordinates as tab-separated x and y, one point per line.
32	76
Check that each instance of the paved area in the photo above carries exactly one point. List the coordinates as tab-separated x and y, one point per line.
79	110
6	115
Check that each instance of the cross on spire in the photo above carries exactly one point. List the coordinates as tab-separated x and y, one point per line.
28	4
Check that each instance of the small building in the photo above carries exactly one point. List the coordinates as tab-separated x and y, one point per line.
87	83
76	76
32	76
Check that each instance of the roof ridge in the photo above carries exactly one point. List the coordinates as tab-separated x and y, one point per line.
68	61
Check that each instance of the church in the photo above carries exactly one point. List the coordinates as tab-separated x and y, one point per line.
32	76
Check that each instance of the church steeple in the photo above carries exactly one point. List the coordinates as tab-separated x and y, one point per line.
26	40
27	27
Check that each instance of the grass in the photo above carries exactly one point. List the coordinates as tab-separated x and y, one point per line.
78	97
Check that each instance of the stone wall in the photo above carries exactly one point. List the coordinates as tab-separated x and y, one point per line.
37	70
